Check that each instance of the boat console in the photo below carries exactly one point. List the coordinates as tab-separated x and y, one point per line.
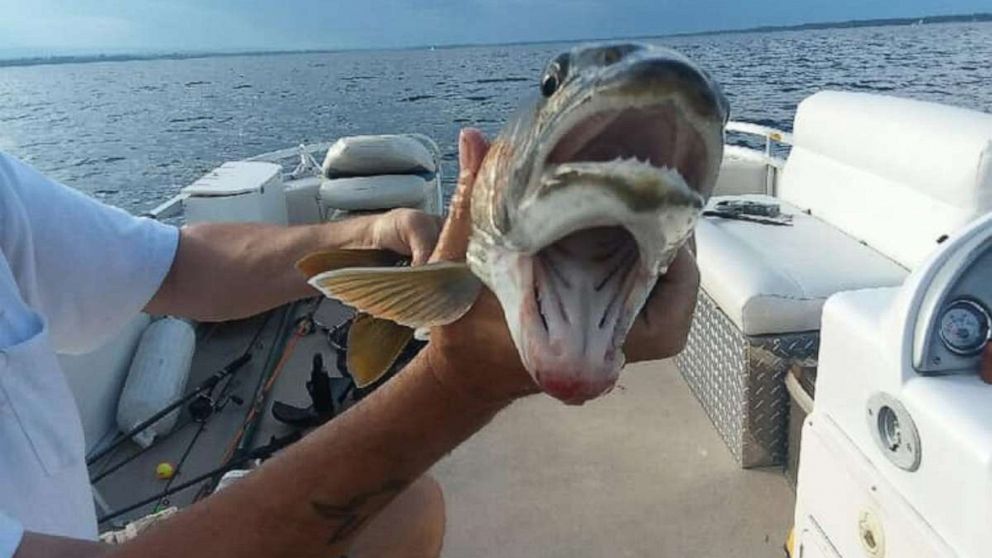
897	455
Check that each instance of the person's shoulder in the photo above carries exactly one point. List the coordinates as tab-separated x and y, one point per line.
11	176
22	184
8	181
7	165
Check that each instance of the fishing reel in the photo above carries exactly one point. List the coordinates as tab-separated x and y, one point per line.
330	396
204	405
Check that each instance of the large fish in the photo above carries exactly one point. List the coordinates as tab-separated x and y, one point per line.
580	204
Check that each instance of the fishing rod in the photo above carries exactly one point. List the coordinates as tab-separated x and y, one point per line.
288	334
201	407
200	411
261	452
278	354
206	387
107	471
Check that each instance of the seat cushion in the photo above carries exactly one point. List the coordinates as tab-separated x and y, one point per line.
372	155
772	279
896	173
363	193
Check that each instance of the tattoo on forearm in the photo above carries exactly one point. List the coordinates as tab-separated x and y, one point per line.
351	516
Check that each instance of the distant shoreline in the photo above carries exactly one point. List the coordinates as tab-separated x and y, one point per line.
888	22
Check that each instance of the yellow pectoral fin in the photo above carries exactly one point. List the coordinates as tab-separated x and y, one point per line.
373	347
417	297
321	262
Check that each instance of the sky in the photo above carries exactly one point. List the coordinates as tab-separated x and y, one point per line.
32	27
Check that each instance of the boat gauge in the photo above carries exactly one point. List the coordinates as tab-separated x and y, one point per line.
964	327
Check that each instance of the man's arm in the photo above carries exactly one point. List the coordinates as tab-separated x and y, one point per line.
225	271
313	498
34	545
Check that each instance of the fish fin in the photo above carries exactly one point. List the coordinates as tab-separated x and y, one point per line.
424	296
319	262
373	347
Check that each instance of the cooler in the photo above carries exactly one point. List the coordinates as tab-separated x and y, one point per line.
240	191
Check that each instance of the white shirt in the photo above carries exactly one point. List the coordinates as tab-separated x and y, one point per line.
72	272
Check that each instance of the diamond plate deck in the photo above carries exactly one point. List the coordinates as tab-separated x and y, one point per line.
739	381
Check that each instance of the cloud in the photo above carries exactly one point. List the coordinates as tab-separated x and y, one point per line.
66	31
288	24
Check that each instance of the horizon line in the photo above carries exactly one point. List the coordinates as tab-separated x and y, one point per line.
136	55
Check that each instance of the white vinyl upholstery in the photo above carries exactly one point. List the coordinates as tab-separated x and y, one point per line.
372	155
366	193
774	279
898	174
874	182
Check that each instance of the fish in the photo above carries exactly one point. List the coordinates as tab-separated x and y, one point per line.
579	206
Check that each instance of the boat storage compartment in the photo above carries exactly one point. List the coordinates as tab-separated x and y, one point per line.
242	191
849	508
872	185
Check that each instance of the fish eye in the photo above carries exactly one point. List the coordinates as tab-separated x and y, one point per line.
554	76
549	84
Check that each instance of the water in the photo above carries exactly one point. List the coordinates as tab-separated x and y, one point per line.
134	133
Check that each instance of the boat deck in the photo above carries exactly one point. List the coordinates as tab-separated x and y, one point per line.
640	472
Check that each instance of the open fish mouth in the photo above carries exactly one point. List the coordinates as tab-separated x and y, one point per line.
659	135
581	292
579	311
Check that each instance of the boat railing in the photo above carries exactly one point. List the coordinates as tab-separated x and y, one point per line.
775	149
772	136
173	207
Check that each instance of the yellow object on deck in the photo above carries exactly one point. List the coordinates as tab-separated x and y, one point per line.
165	470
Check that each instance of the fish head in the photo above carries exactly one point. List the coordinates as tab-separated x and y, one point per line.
584	200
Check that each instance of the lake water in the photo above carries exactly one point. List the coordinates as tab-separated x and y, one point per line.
134	133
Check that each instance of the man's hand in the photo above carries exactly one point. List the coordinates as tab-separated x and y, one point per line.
225	271
662	327
405	231
476	355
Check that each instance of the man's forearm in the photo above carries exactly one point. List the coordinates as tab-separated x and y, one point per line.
225	271
312	499
35	545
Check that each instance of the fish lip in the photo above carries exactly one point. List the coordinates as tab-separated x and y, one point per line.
571	392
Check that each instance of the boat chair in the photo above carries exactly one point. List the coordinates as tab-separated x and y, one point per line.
872	185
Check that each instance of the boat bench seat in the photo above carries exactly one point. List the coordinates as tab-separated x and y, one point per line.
873	183
771	279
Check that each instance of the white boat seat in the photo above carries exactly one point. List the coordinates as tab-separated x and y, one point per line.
374	155
874	183
367	193
899	174
774	279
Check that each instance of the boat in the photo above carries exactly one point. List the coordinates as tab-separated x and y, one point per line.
829	402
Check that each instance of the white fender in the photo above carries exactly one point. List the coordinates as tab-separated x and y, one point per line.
158	376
